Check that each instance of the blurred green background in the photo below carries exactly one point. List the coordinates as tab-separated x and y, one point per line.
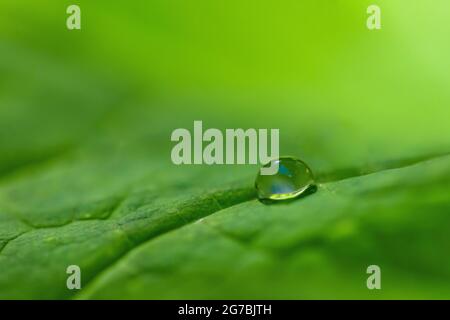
85	123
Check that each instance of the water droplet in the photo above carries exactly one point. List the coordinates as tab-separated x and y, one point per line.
294	177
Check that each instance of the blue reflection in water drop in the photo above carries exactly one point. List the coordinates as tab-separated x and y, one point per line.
283	170
280	188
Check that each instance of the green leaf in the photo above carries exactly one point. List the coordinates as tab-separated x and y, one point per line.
85	171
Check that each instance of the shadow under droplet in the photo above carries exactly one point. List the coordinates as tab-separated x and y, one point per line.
311	189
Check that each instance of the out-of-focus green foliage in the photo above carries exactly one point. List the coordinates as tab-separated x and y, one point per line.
85	170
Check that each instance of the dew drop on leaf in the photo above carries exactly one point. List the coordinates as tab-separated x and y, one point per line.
293	178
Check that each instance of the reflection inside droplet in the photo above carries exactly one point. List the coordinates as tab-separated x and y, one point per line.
293	178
